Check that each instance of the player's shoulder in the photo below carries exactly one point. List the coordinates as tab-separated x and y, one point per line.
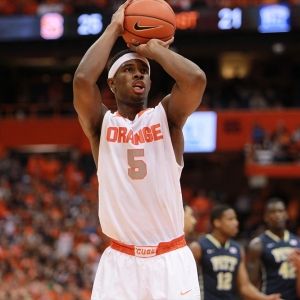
257	242
234	243
235	248
293	236
157	110
294	239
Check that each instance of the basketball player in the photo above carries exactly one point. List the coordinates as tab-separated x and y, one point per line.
139	156
221	260
268	254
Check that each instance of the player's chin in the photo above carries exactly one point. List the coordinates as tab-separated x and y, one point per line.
235	231
138	98
280	224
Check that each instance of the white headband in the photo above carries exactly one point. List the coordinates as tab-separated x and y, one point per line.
128	56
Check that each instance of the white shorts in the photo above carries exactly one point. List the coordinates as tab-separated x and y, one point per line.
169	276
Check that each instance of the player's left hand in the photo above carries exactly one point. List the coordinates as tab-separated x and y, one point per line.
147	49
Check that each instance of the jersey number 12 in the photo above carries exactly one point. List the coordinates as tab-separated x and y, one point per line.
224	281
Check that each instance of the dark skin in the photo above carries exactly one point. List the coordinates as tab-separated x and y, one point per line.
275	217
184	98
223	229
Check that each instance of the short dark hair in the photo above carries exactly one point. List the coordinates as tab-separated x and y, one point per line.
217	211
274	200
117	56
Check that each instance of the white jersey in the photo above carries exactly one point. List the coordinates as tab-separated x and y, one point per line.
140	199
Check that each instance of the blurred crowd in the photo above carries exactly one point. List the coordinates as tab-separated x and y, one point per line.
39	7
280	146
50	238
271	84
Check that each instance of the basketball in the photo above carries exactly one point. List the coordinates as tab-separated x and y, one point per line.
148	19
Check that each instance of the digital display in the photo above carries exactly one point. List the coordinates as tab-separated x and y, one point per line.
230	18
89	24
261	19
274	18
51	26
200	132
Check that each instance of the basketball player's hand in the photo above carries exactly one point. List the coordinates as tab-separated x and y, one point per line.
274	297
147	49
118	16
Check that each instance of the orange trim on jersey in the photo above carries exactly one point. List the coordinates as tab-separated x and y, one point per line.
142	111
149	251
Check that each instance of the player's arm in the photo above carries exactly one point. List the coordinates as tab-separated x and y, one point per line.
247	290
197	252
187	92
190	80
294	259
254	260
87	98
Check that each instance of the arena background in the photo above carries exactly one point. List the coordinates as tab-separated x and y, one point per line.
50	238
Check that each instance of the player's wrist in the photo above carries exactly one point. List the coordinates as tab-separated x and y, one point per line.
117	28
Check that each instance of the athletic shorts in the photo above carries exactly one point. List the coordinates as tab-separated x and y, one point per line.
170	276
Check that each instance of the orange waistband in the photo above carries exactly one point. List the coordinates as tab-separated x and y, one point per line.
149	251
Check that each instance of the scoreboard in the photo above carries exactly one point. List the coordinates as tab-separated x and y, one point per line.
54	26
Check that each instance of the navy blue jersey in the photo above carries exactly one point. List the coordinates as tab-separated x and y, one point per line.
278	275
218	268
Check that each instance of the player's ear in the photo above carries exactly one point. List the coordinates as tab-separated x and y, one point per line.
217	223
111	84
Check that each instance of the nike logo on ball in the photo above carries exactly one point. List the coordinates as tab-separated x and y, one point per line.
139	28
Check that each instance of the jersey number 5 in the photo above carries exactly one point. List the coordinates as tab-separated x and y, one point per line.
137	167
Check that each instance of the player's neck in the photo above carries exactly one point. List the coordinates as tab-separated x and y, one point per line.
220	237
130	112
278	232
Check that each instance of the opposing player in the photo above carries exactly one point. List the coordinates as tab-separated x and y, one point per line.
139	156
268	263
221	260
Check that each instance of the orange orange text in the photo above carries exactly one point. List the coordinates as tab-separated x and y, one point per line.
144	135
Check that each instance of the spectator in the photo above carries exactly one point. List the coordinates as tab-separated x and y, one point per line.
257	134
